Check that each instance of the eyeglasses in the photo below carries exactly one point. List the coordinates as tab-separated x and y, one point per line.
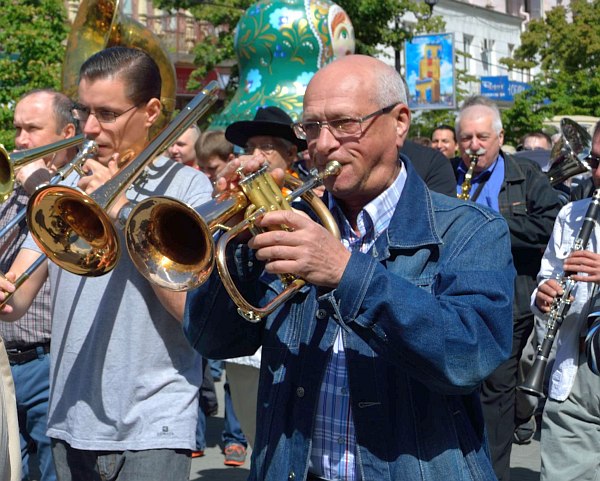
82	113
593	161
340	128
266	149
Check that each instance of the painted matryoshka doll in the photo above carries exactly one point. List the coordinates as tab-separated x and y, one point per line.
279	47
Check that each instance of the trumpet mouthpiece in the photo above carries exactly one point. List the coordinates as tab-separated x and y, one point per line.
332	168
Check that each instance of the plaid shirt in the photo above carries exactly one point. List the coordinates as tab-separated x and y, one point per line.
334	449
34	327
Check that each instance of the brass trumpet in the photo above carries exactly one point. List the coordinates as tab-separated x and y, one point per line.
73	228
171	244
9	163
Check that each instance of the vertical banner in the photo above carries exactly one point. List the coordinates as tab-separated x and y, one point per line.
430	73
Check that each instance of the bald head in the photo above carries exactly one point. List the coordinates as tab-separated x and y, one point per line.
43	117
378	80
355	112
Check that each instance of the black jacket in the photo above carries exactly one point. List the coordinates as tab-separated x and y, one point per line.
432	166
530	205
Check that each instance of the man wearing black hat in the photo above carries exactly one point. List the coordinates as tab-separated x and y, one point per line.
270	134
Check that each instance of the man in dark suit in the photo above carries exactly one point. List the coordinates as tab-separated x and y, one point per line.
432	166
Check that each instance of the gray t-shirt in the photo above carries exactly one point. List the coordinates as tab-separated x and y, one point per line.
123	376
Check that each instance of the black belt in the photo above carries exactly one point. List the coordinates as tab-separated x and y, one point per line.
27	354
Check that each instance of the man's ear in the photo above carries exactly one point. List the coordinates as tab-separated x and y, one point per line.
402	116
153	110
501	137
69	131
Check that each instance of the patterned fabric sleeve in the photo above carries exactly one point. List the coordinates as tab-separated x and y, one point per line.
592	340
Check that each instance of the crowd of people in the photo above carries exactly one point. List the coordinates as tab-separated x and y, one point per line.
400	356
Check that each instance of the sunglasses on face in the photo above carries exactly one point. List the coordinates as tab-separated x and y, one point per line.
593	161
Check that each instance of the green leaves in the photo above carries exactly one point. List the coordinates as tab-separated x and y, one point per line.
32	36
566	46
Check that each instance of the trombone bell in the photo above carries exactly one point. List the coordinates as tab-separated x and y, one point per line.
169	244
73	231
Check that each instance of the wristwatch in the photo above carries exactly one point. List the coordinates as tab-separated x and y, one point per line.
123	215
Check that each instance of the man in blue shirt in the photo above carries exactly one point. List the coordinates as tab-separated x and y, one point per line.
517	188
371	371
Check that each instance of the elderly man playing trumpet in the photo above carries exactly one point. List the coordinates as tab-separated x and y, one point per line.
371	371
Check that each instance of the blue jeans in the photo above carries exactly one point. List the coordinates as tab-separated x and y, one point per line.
232	431
78	465
32	386
201	431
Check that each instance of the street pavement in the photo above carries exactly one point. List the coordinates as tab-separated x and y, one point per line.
525	460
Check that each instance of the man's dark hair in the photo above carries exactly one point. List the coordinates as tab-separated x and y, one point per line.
445	127
538	134
139	71
61	108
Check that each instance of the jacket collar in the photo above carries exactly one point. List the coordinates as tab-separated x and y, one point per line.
410	228
512	171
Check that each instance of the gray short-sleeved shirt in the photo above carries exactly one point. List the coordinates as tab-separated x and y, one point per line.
123	376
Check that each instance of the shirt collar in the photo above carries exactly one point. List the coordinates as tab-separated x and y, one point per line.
484	173
374	218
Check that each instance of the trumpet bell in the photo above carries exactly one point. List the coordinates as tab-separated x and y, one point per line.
169	243
73	231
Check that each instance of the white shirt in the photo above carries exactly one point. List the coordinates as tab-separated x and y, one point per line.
566	228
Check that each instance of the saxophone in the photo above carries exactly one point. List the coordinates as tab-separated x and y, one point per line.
534	383
465	189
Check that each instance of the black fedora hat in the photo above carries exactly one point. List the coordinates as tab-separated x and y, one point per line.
271	121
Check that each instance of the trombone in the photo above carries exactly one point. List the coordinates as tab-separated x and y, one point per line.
88	150
73	228
9	163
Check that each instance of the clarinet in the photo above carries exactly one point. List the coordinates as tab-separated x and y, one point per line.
534	383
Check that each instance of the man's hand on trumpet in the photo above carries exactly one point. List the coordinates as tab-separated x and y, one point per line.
307	250
229	176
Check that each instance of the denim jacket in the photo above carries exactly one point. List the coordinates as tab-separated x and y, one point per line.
423	323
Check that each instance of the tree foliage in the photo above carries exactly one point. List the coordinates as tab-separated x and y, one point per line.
566	47
32	35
